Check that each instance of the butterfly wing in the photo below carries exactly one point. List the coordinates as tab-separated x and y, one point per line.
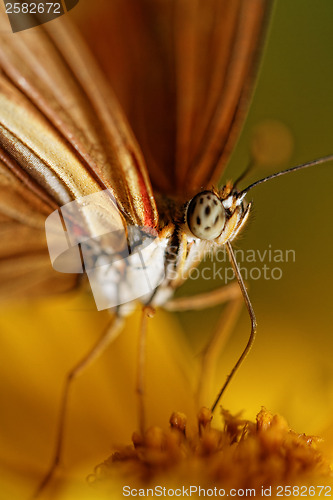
62	136
52	67
25	268
183	71
213	83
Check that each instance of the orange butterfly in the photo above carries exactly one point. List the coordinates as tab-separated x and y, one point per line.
182	73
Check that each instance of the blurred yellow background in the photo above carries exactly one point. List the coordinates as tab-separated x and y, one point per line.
290	369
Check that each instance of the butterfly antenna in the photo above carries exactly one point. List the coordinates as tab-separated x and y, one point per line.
244	173
319	161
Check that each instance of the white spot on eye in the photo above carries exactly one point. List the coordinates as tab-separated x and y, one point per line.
206	216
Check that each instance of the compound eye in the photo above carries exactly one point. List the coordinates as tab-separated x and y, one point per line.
206	216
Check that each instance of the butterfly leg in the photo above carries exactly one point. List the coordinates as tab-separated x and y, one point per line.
214	347
204	300
230	294
218	297
108	335
253	321
147	312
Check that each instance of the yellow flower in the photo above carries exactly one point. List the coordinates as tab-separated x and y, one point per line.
244	458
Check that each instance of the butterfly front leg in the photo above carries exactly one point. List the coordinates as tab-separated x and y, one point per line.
228	294
231	293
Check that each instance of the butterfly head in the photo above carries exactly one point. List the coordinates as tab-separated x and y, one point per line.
216	215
